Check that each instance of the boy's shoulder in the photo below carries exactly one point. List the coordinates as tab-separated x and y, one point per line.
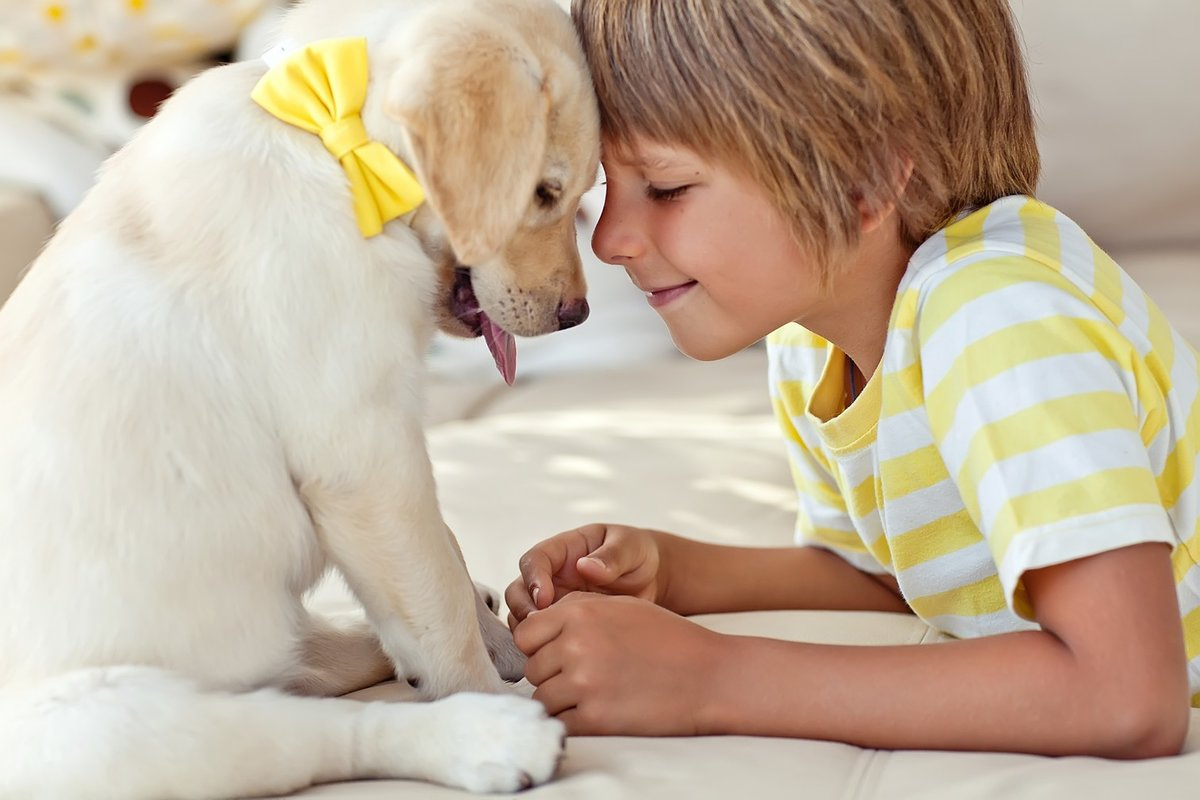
1017	225
1022	276
1014	242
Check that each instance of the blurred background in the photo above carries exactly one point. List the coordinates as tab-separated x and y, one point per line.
1116	86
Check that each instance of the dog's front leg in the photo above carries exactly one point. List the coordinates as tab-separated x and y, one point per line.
382	527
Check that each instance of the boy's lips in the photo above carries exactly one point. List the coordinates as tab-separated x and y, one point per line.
660	297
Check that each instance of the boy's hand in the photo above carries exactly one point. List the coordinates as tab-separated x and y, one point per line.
608	559
619	665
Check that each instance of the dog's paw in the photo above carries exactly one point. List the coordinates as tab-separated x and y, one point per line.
493	743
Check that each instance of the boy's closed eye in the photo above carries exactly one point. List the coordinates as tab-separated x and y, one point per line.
665	195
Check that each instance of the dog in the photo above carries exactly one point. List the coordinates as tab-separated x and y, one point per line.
211	394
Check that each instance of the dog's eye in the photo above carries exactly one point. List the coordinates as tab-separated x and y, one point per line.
547	194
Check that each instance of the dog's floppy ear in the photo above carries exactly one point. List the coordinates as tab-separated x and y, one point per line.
474	107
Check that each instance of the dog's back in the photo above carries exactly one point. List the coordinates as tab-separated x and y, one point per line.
119	360
129	534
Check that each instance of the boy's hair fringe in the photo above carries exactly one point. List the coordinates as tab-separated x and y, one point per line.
824	103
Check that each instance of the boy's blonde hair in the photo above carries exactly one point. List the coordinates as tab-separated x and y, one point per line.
823	103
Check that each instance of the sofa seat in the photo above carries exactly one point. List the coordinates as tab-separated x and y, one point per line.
692	448
25	224
604	768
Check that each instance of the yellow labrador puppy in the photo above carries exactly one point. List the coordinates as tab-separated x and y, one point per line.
211	392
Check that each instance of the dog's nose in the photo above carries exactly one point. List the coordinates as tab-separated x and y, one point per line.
572	313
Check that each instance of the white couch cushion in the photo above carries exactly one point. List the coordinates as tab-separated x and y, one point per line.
24	227
739	766
676	444
1115	86
691	447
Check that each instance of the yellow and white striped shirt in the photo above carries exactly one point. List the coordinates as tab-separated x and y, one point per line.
1032	407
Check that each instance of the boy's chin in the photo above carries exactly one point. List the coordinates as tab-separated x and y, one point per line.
708	348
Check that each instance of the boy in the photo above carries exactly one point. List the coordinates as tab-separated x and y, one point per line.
988	423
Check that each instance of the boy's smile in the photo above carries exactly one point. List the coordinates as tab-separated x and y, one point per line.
663	296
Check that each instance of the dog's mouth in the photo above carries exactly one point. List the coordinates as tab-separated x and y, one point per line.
465	308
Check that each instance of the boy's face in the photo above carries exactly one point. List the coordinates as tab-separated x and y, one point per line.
716	260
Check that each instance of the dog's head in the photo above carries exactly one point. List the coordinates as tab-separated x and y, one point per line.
491	104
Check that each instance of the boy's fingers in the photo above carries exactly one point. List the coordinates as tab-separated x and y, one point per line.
542	564
537	573
569	717
542	666
617	556
556	695
538	630
518	600
596	571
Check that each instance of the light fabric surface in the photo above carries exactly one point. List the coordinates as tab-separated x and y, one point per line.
724	767
739	767
84	74
672	436
680	446
25	224
97	34
49	164
1032	408
1115	86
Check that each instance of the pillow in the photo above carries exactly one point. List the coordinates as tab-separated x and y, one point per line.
1115	88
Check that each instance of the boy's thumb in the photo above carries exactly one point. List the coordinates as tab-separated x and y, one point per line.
597	569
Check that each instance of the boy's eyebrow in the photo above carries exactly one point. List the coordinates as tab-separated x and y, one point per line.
648	161
654	162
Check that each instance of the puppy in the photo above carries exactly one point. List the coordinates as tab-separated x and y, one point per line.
211	388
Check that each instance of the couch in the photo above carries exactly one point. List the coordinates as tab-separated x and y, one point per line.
607	423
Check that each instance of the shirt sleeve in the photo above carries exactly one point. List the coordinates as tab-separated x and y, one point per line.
822	518
1043	413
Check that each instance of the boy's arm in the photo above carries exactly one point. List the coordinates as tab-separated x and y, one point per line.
701	578
1106	676
691	577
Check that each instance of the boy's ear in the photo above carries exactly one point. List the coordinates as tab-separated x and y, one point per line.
475	110
872	211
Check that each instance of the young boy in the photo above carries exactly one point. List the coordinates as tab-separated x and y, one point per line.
989	424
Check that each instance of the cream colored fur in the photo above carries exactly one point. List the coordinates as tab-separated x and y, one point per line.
212	393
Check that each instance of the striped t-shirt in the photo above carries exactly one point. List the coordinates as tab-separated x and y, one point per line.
1032	407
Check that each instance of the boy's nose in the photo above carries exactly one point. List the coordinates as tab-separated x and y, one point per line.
612	241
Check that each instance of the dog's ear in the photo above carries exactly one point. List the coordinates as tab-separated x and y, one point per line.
474	106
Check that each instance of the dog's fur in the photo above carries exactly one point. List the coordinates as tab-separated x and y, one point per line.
211	391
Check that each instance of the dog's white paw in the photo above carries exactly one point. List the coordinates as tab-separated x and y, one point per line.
492	743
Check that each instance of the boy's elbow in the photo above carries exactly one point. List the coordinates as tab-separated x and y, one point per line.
1148	724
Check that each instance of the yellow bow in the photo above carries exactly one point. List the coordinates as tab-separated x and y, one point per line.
321	88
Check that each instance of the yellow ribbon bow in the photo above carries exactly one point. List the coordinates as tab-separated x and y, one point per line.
321	89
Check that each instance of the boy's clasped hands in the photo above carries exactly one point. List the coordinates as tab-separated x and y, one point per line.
605	655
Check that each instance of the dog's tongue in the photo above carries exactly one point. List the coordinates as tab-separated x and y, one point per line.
503	347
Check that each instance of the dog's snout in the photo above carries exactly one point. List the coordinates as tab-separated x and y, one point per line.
572	313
